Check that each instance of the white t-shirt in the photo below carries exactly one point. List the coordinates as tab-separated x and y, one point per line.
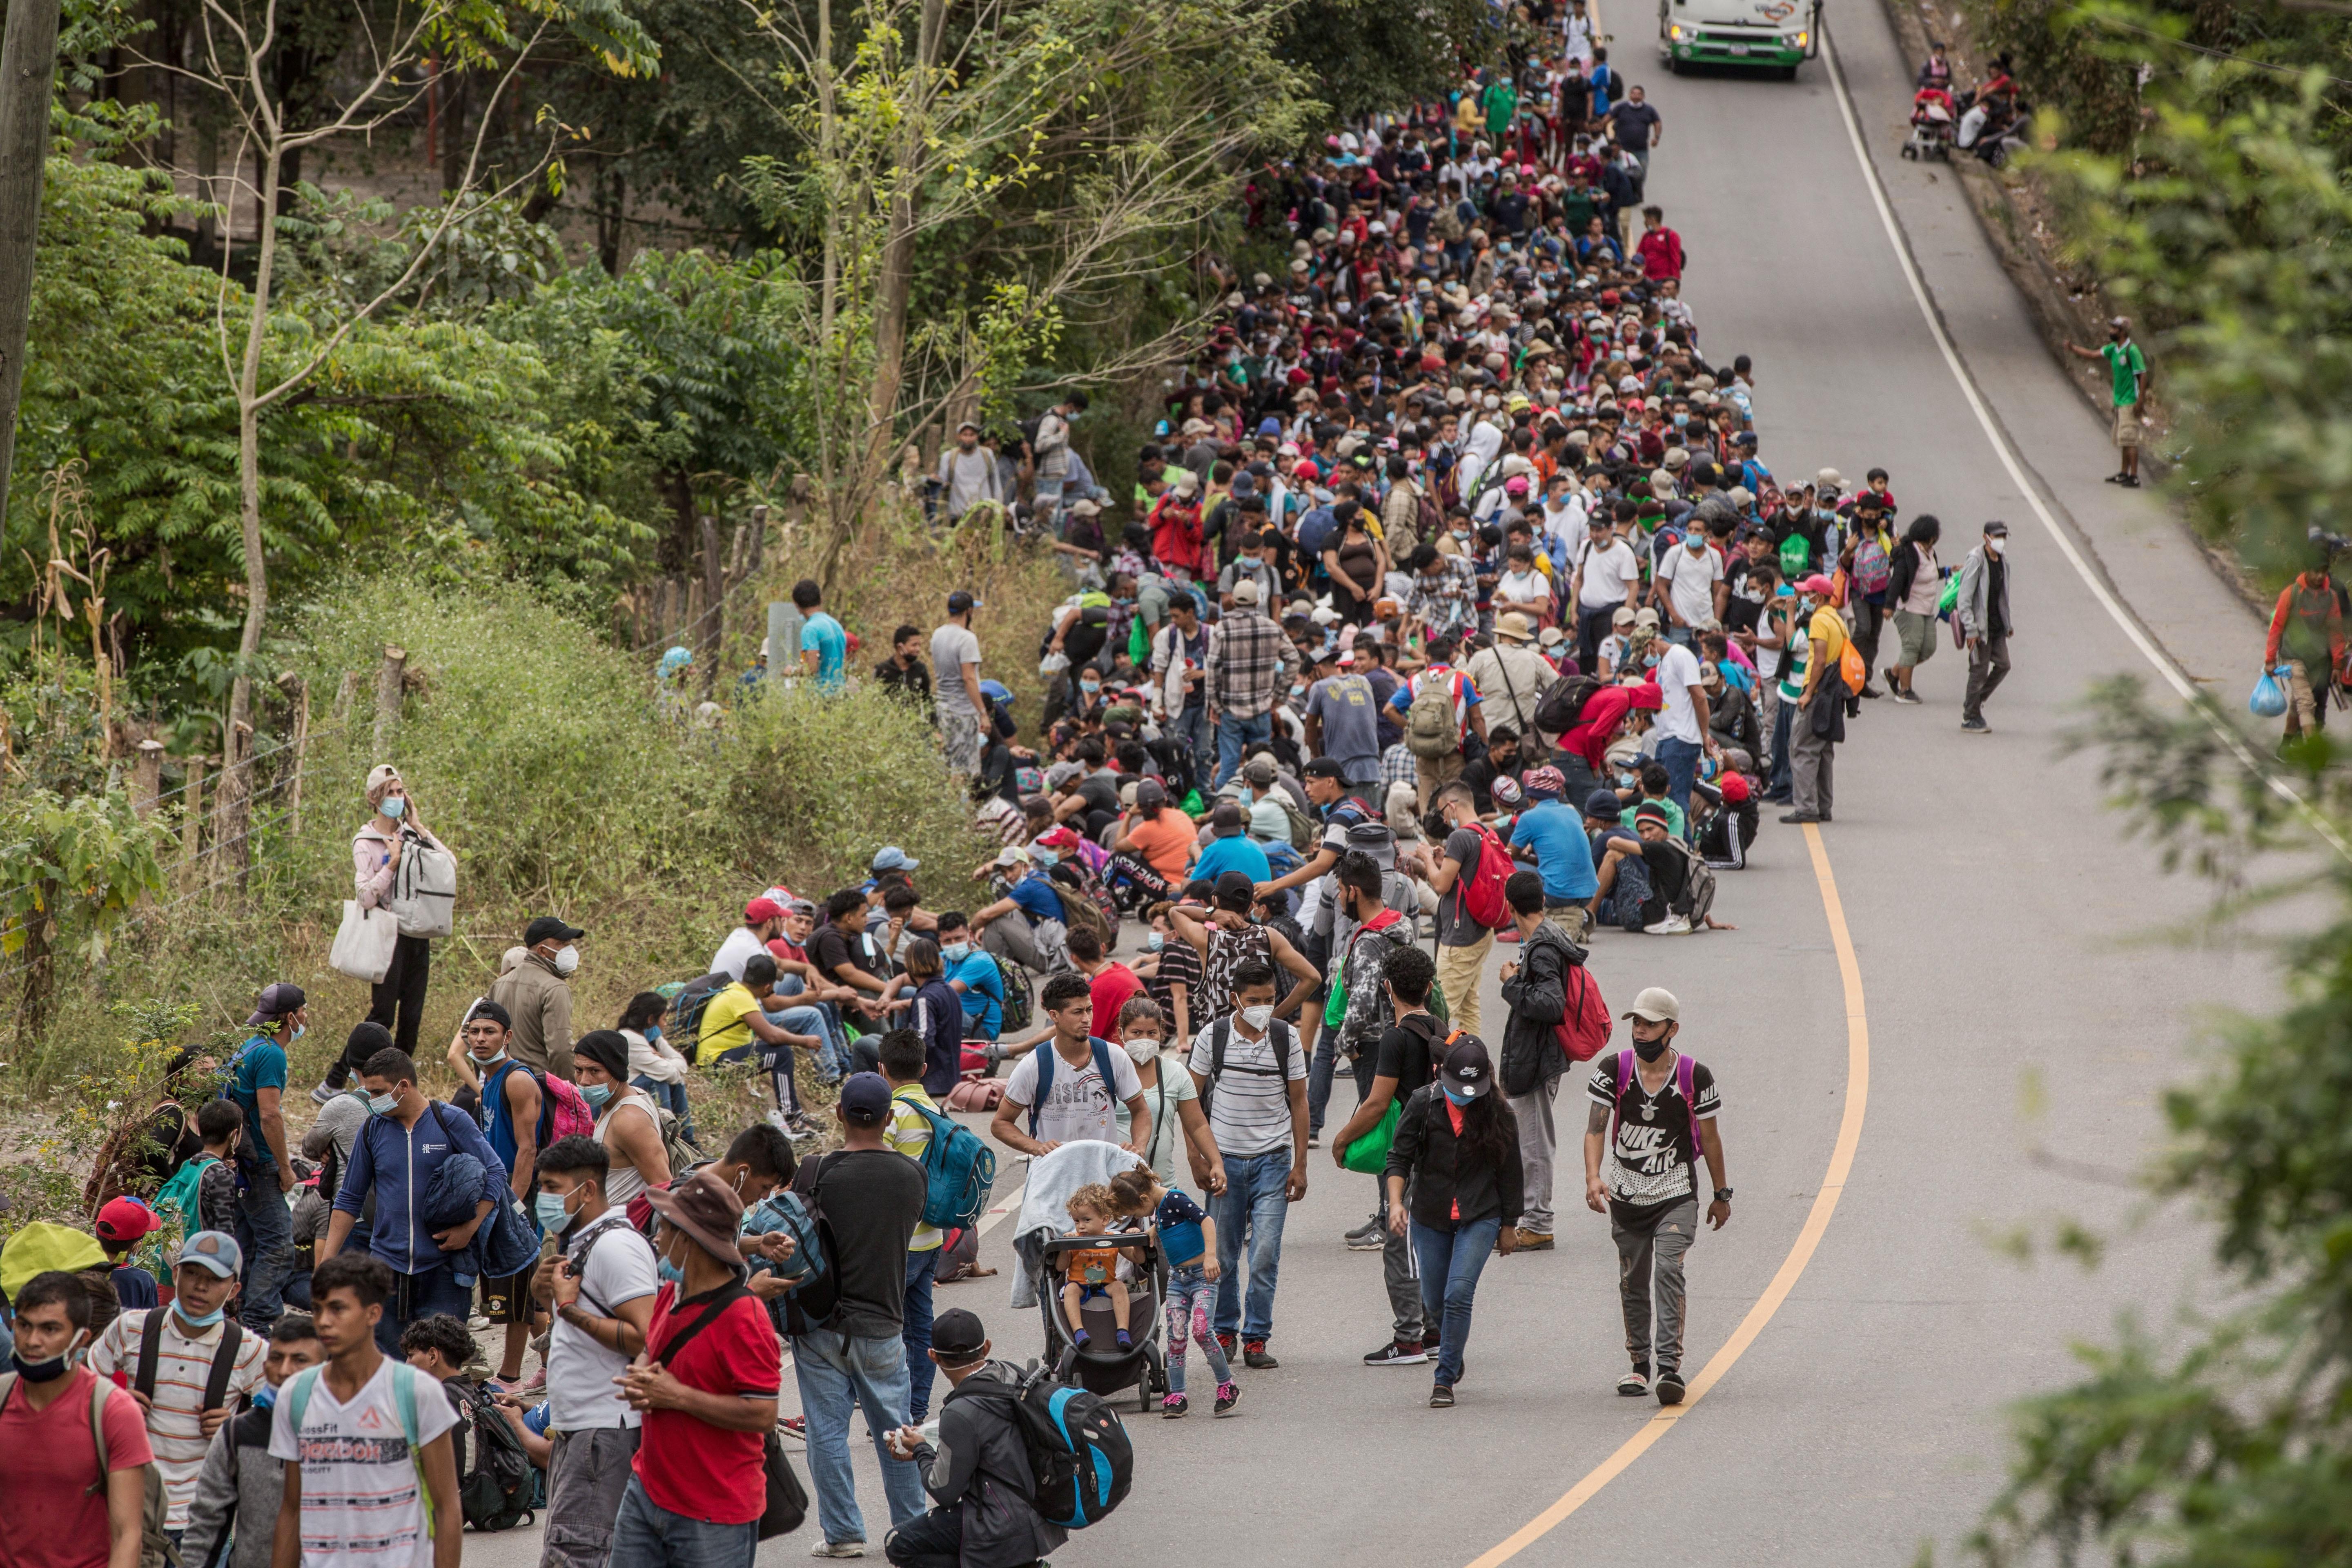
740	945
1078	1106
363	1493
1676	673
1691	581
1610	576
953	647
1249	1107
580	1371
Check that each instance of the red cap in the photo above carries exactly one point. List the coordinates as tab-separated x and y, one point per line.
126	1219
1735	789
1059	838
762	908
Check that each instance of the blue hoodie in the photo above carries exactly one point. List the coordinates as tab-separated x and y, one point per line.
399	1163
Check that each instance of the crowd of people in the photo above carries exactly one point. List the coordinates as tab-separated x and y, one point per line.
1453	608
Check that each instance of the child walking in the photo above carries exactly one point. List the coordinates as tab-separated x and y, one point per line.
1188	1237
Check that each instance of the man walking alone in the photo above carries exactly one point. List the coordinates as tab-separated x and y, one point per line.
1983	613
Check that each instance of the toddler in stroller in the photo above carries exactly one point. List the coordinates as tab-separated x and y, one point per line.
1933	122
1102	1332
1091	1273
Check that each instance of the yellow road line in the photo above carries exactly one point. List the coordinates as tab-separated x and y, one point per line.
1825	1203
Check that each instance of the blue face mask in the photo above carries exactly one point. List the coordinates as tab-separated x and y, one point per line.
671	1272
653	1031
1154	943
265	1397
394	806
597	1094
554	1212
380	1104
956	951
1459	1101
1045	857
206	1321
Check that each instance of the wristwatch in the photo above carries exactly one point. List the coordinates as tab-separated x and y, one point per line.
1723	1194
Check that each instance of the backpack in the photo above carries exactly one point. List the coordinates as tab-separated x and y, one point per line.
1482	897
1871	571
494	1491
787	1500
684	1025
1796	554
424	888
674	1146
405	1379
1048	1059
1562	707
562	1113
1078	1450
1698	886
1585	1028
155	1551
179	1194
1431	730
1304	829
150	1353
958	1169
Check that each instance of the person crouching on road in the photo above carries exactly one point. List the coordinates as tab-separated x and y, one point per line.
1459	1150
977	1469
1652	1110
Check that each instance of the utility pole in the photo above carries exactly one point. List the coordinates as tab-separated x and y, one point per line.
28	66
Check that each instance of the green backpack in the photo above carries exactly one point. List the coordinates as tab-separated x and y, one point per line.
178	1193
1796	555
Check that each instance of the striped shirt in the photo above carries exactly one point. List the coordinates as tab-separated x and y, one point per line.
184	1365
910	1135
1249	1110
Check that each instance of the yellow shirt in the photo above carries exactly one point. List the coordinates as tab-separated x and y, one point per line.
723	1025
910	1135
1828	638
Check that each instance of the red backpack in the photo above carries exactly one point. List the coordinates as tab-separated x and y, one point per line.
1482	898
1584	1028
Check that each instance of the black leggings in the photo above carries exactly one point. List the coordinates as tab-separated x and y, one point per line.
397	1004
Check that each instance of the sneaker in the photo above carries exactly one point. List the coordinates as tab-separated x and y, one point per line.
320	1095
1372	1237
1975	727
1254	1356
1228	1395
1441	1397
1397	1352
1225	1344
1315	1140
800	1128
2128	481
1430	1341
1174	1406
1371	1227
2116	478
1529	1241
1672	925
1871	691
1799	816
1909	697
1670	1386
838	1549
476	1324
1634	1383
796	1425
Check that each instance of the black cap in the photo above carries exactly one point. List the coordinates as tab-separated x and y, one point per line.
1604	803
1326	767
957	1334
1468	1072
959	602
864	1098
1996	528
1227	820
547	928
486	1008
608	1048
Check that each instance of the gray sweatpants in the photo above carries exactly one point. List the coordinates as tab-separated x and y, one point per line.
1401	1274
1650	1246
1538	1147
1814	761
585	1477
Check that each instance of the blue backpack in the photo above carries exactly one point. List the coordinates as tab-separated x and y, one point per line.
958	1169
1046	1061
1078	1450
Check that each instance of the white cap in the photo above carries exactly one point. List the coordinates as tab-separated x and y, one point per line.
1656	1004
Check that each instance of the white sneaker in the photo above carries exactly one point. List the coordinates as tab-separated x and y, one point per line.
838	1549
478	1323
1672	925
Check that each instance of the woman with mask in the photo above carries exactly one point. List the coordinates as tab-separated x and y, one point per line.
1172	1104
378	850
626	1124
1457	1148
655	1064
1915	588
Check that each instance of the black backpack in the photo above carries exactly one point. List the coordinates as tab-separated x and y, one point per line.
685	1027
1221	1031
495	1493
1562	706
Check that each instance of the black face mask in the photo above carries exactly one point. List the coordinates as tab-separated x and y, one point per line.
1649	1050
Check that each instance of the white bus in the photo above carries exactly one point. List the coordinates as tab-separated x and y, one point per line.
1776	34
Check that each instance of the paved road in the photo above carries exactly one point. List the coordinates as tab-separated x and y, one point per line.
2019	1035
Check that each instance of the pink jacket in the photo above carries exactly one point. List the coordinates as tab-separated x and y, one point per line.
372	864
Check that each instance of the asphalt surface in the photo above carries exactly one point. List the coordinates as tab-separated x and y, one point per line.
2024	1015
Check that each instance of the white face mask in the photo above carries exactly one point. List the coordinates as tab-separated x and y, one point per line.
1142	1051
567	960
1995	543
1258	1018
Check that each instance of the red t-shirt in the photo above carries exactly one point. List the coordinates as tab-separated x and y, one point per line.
689	1466
1453	1114
1113	989
49	1454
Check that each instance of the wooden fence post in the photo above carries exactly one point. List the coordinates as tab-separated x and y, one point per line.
299	689
714	603
391	678
147	778
192	821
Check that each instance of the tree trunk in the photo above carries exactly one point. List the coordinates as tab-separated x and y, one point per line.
40	967
29	59
895	289
714	599
390	683
236	780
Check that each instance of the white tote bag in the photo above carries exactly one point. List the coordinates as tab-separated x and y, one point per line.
364	942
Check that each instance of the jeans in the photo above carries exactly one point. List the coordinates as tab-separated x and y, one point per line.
418	1295
922	1273
670	1097
646	1535
1319	1073
1680	759
1252	1206
264	1233
1450	1262
1190	1295
826	1024
836	1373
1235	736
1193	724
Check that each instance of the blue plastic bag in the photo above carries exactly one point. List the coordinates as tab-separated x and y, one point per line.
2269	699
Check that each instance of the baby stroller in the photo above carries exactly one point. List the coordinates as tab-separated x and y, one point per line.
1101	1367
1933	123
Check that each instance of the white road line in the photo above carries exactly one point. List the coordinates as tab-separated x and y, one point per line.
2173	674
